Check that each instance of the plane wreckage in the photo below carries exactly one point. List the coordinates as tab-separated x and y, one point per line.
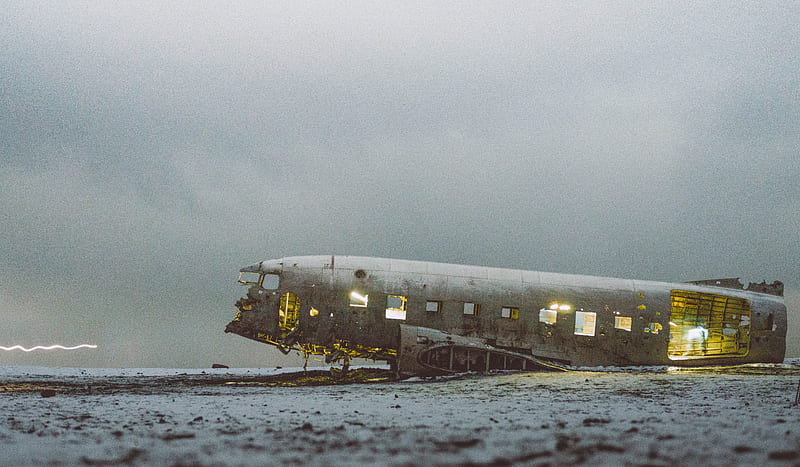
428	318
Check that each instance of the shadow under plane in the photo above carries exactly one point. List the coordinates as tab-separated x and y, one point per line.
426	318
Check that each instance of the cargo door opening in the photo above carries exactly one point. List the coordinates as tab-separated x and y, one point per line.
704	325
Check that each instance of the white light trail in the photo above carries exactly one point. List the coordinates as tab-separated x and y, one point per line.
48	347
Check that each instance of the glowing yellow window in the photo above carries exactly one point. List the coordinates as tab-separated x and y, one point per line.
548	316
623	322
584	323
509	312
395	307
358	300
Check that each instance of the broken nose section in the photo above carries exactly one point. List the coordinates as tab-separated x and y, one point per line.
271	266
252	268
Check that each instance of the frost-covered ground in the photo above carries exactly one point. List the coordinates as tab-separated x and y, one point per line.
654	416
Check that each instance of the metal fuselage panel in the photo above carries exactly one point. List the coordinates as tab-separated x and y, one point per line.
324	285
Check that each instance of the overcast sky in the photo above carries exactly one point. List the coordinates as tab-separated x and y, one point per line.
150	150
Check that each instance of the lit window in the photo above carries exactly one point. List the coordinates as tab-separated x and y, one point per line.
395	314
313	312
395	307
433	306
472	309
623	322
509	312
584	323
548	316
396	302
560	306
358	300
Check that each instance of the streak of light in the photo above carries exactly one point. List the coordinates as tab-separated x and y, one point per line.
49	347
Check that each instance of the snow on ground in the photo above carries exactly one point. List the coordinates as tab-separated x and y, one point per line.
739	416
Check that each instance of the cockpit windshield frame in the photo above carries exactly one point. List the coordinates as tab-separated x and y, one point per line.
259	279
250	278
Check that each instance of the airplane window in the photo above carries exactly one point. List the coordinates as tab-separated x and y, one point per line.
472	309
623	322
509	312
584	323
395	307
250	278
270	281
357	300
396	302
395	314
548	316
433	306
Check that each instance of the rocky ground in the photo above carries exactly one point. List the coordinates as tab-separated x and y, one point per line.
654	416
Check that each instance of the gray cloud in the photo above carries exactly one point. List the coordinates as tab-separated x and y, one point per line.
148	152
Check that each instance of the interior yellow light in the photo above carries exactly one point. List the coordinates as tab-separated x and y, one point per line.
313	312
554	306
564	307
358	296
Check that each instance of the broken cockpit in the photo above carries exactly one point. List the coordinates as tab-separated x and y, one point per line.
265	314
280	311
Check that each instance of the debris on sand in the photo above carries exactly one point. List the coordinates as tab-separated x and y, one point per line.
129	457
319	378
176	383
174	436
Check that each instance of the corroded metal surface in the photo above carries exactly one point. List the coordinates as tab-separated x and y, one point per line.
398	310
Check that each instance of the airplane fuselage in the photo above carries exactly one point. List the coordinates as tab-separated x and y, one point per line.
412	313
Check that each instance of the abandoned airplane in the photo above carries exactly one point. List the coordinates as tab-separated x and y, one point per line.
429	318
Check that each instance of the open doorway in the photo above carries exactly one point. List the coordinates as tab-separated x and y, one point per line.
704	325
